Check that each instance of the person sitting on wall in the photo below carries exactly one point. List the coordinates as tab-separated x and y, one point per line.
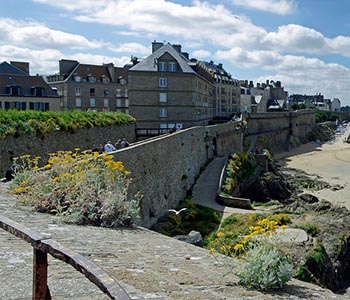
109	147
125	143
118	144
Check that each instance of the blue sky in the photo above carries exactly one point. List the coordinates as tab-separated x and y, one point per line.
303	43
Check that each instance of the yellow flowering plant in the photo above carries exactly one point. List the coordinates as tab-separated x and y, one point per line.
83	188
263	265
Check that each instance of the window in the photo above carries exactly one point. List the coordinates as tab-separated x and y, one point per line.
77	91
126	103
106	92
92	102
77	102
105	103
172	67
162	66
118	92
126	93
122	81
92	91
92	79
119	103
163	112
162	97
77	78
105	80
163	82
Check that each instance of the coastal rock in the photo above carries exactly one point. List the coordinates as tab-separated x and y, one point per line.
194	238
308	198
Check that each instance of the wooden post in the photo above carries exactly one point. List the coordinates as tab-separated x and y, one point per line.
40	288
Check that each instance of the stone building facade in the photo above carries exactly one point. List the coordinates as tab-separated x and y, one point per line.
227	95
85	87
167	90
19	90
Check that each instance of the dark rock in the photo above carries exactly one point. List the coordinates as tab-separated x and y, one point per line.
194	238
308	198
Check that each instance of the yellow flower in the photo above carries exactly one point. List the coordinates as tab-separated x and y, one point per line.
212	250
237	247
284	226
220	234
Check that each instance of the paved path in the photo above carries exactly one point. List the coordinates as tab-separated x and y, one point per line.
204	191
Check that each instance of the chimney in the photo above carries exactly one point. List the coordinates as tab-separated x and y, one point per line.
220	65
251	84
177	47
156	45
111	71
23	66
186	55
267	82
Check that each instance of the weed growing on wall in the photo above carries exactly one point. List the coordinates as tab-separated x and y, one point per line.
82	188
262	264
239	167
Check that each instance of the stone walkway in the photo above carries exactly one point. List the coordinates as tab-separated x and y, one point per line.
147	265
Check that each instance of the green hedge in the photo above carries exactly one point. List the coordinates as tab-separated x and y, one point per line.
16	123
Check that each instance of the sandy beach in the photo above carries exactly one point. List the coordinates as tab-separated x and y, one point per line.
329	161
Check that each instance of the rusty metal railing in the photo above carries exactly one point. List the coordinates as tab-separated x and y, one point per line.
43	245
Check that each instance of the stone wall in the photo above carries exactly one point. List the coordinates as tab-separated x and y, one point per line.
60	140
165	168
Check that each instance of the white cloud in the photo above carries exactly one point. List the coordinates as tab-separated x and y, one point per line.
281	7
39	36
201	54
132	48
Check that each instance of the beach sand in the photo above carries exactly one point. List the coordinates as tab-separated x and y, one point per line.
330	161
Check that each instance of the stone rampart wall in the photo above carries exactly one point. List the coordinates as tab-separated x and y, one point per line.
60	140
164	169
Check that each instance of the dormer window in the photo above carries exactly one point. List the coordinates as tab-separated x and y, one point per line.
105	80
162	66
77	78
172	67
92	79
38	91
14	90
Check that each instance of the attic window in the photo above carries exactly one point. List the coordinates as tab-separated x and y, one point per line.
77	78
162	66
105	80
172	67
38	91
14	90
92	79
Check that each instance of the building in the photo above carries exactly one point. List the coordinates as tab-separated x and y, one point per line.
19	90
227	96
335	104
264	97
311	101
168	90
86	87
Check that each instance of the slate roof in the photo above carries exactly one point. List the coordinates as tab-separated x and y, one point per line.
25	82
150	63
6	68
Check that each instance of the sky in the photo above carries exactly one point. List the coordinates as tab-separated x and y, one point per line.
305	44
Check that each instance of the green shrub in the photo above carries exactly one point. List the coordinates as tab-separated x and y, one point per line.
311	229
264	268
81	188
